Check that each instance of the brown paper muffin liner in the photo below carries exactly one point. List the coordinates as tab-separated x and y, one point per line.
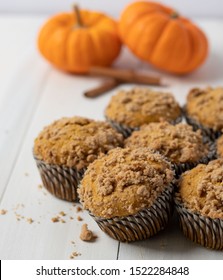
200	229
144	224
127	131
182	167
208	133
60	181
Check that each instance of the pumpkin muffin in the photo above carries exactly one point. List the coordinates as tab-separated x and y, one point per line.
204	110
183	147
220	147
130	109
65	148
199	202
129	193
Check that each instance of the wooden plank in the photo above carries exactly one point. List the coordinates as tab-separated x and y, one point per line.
17	39
16	112
62	96
22	74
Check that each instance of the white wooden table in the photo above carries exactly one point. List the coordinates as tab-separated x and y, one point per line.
32	95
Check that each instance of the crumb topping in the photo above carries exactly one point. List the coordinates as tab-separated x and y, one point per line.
201	189
75	141
124	181
220	147
206	106
139	106
178	143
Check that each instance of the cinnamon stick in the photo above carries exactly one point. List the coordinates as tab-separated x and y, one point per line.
125	75
104	87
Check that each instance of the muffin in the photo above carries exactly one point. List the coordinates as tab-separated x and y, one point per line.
219	146
199	203
183	147
204	110
128	110
65	148
129	193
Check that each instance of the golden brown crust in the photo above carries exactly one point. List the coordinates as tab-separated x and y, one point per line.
124	182
75	142
201	189
220	147
206	107
178	143
139	106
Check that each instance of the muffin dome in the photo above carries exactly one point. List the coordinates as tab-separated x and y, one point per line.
179	143
124	181
136	107
205	107
75	142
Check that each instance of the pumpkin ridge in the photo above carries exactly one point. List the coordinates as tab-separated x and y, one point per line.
140	33
198	34
191	47
65	47
175	53
157	41
48	46
154	44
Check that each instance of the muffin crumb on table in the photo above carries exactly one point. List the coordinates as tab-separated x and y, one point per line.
86	234
3	212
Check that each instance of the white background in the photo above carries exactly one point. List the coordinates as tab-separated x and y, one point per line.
34	94
191	8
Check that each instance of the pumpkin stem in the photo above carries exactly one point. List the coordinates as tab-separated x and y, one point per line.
174	14
78	15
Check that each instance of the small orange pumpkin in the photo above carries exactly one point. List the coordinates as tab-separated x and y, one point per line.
160	36
76	41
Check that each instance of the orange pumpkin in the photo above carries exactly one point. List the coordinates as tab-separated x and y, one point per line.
160	36
76	41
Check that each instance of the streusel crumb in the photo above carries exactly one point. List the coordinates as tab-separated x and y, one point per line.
75	142
124	181
201	189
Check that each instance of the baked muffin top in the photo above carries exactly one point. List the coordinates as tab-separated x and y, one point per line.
124	181
220	146
139	106
75	142
179	143
201	189
206	107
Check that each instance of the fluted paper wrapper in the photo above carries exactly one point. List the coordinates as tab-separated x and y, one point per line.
198	228
127	131
142	225
208	133
60	181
